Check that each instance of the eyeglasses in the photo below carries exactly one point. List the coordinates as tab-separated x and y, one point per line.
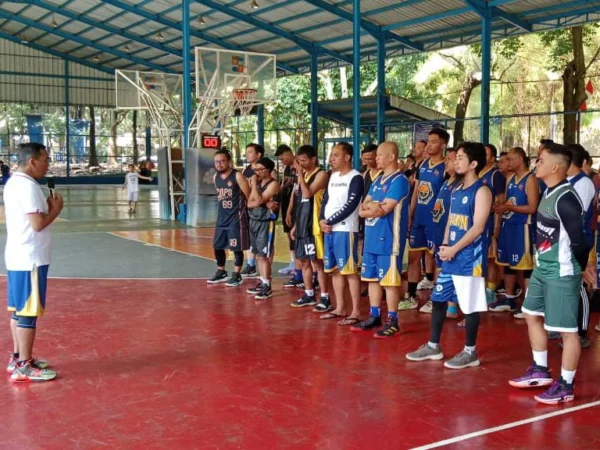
259	169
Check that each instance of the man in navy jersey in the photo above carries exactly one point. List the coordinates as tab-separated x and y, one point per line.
464	257
231	231
386	212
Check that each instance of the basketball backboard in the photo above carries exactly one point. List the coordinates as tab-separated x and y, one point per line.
148	90
219	72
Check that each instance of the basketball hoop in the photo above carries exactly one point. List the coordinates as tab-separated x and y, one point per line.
244	100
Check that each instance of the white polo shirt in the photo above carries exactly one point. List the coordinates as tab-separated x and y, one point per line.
25	247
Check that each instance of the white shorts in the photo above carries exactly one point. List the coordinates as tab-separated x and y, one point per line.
132	196
469	291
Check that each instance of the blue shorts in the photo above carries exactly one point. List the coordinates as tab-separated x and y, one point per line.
341	252
27	291
422	237
385	269
514	246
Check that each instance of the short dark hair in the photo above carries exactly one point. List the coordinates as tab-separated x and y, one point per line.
267	162
410	157
225	152
443	134
29	151
368	149
546	141
522	153
502	154
348	148
578	154
588	157
493	149
561	150
451	150
475	151
423	141
257	148
307	150
283	148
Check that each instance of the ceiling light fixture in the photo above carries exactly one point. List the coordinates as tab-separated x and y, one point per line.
96	59
160	37
54	22
24	39
127	48
201	20
254	4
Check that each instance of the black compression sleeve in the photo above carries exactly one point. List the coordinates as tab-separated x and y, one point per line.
570	212
355	192
323	204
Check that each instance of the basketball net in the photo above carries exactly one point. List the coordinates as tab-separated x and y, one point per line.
244	100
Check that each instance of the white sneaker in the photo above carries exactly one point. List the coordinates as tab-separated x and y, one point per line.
287	270
427	308
408	303
425	285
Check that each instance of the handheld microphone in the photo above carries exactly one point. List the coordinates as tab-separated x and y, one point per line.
50	182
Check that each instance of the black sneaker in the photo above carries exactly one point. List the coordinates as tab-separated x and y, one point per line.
256	289
293	283
368	324
264	293
235	280
306	300
389	329
249	272
220	276
324	305
364	293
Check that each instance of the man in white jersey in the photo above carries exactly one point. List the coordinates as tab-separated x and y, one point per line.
132	184
339	222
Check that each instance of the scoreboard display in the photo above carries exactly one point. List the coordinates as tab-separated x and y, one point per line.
211	141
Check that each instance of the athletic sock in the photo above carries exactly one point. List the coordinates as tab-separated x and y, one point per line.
567	375
412	289
469	349
540	358
298	276
429	276
491	285
16	356
393	315
375	311
252	262
310	292
433	345
324	295
266	281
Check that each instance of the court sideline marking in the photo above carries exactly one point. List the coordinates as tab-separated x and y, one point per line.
507	426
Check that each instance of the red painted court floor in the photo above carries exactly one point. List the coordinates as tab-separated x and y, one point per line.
178	364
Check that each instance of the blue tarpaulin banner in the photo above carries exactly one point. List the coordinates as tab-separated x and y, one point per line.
35	128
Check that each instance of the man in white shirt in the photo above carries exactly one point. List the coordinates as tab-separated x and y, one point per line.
339	222
27	255
132	183
584	186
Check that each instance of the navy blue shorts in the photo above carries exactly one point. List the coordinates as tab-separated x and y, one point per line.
231	238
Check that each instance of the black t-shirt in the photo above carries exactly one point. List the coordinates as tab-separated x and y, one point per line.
248	171
145	172
290	178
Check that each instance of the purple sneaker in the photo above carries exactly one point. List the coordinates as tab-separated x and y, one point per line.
535	376
559	392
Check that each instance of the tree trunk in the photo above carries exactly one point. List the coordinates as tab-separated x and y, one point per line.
117	118
325	77
344	82
461	108
573	86
93	161
136	155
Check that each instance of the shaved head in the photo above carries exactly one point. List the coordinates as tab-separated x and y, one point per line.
387	155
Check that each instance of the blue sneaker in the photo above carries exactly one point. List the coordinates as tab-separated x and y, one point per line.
559	392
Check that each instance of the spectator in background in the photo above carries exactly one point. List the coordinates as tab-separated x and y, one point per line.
146	171
5	172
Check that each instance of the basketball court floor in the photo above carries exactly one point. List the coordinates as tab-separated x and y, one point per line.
149	356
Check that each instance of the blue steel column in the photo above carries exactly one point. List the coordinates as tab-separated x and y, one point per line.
381	88
486	68
67	115
314	97
260	124
356	82
187	80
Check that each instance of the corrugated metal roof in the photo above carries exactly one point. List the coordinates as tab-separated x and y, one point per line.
146	34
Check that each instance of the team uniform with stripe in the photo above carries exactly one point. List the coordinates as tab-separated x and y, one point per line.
231	231
262	227
515	249
340	210
496	182
430	179
385	236
309	238
463	277
441	210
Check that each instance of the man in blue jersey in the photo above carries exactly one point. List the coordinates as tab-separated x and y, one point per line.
492	178
430	178
515	241
386	212
464	256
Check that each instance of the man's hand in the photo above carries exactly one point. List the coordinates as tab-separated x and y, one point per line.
589	275
293	233
501	209
447	253
325	228
298	168
272	205
288	219
55	203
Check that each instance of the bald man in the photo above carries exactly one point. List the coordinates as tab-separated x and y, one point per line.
385	210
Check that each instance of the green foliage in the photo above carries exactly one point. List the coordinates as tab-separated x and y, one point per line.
561	47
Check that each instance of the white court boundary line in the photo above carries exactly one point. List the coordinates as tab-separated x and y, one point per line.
3	275
507	426
160	246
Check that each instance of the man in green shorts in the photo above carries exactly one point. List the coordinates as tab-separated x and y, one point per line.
552	299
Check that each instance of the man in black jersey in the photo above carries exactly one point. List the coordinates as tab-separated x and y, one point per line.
253	153
286	157
263	208
231	231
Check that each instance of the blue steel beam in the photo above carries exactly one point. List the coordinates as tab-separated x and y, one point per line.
314	100
62	24
356	82
482	10
41	48
187	79
486	68
124	55
171	24
300	41
381	97
373	29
